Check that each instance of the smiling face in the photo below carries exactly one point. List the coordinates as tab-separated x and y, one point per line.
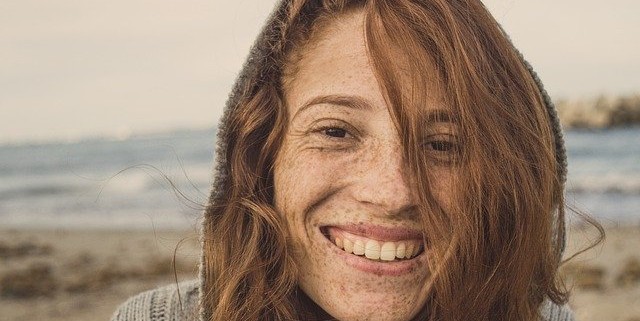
343	185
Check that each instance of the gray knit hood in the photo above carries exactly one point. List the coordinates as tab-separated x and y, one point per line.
252	76
173	303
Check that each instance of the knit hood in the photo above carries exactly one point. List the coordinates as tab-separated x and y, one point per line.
253	74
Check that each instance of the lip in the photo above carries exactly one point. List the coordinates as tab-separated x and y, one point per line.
380	233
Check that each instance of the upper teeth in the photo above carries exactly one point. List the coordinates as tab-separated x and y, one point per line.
377	250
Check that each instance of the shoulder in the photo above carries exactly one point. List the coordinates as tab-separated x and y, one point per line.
554	312
169	303
180	302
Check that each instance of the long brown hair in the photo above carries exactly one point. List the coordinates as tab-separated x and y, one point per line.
495	254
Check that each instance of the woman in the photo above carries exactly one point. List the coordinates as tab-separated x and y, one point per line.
380	160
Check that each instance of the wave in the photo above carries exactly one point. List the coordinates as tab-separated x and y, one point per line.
38	191
606	184
53	186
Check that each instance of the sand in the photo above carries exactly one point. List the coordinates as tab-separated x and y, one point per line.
605	280
84	275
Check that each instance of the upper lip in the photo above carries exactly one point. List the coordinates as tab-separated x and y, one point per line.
379	232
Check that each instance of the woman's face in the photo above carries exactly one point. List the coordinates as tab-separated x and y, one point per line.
343	186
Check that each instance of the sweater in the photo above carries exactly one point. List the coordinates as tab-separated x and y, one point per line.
180	303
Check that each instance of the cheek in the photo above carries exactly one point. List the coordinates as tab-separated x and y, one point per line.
302	179
442	183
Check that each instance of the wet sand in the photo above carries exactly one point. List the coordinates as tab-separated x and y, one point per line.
52	275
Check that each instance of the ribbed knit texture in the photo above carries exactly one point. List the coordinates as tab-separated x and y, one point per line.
163	304
169	303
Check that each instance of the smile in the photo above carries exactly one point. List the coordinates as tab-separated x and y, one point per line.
385	245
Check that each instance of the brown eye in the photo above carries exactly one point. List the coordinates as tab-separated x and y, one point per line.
335	132
441	146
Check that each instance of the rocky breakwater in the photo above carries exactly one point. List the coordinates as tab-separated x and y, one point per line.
600	112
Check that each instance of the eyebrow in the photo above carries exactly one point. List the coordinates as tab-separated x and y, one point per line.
353	102
440	116
360	103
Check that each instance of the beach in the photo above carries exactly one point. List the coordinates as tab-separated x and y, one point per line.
605	280
70	274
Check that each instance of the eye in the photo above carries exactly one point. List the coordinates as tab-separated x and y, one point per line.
335	132
335	135
441	146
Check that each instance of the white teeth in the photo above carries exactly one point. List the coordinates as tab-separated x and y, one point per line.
348	246
401	250
376	250
358	247
372	250
388	251
338	242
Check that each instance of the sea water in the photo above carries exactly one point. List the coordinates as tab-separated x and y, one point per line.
102	183
604	174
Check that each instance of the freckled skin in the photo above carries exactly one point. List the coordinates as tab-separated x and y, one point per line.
360	178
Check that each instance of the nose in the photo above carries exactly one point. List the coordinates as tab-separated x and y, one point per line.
384	180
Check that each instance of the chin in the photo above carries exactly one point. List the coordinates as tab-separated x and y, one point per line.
352	287
369	308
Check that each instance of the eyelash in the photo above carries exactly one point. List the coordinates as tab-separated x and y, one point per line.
335	135
442	145
442	148
324	130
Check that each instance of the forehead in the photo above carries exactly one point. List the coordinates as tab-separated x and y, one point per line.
337	61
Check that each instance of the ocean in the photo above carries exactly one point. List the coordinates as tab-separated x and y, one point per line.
127	184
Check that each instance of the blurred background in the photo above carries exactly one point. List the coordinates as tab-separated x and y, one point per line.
102	103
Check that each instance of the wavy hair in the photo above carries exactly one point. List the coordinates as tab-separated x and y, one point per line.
496	253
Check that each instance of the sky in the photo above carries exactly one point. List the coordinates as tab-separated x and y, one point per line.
72	69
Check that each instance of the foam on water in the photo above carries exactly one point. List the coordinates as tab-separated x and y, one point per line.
606	183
